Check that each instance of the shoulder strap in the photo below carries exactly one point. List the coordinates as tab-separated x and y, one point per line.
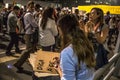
101	27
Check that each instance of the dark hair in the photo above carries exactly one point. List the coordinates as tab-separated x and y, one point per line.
37	6
10	7
108	12
46	14
69	26
16	8
58	9
76	11
101	17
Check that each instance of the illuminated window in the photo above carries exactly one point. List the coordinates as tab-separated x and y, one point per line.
87	1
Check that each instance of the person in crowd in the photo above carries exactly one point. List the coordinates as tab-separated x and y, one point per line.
77	14
97	31
4	20
13	27
10	8
47	30
21	26
1	20
77	59
112	27
83	20
58	12
107	17
117	46
30	27
37	12
86	17
116	28
117	51
36	15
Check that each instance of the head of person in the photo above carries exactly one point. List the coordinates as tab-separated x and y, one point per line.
48	13
108	12
30	6
76	11
10	8
96	15
37	7
71	34
58	9
16	9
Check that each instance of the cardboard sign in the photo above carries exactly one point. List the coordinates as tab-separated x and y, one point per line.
44	61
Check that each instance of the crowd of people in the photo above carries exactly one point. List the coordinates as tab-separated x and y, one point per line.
79	39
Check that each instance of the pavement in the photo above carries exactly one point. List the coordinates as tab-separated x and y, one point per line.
7	70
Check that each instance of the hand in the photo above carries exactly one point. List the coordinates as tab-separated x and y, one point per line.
82	24
56	61
59	70
90	23
57	66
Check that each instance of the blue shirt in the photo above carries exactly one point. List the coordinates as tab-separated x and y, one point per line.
69	67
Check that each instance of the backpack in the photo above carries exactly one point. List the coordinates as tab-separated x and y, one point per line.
21	24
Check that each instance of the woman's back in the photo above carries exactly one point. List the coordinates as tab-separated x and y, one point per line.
69	66
47	35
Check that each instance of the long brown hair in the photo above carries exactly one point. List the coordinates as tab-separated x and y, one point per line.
48	12
69	26
101	17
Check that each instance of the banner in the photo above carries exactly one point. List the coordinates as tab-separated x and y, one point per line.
105	8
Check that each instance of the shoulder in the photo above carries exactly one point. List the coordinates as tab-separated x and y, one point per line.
51	20
27	14
11	16
35	12
68	51
67	57
40	19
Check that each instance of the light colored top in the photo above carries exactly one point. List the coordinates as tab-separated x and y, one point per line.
111	24
68	65
36	16
30	23
12	22
47	36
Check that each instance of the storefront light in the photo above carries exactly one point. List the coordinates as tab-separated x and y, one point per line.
6	5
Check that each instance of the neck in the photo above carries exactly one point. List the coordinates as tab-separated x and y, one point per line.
96	26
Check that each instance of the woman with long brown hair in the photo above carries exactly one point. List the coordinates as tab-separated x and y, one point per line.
47	29
77	58
97	32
